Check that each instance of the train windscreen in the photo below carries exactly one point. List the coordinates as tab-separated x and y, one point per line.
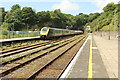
44	29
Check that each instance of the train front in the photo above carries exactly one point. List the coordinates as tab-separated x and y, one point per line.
44	32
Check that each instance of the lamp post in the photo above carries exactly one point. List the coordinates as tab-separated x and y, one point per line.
12	28
118	27
27	30
114	22
98	27
101	32
13	31
109	33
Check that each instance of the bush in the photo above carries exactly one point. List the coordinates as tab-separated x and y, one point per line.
4	32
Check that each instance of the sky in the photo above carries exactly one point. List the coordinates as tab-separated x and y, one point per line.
73	7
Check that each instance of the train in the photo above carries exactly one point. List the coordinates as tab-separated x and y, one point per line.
48	32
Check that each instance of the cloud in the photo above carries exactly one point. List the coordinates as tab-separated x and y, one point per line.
43	0
66	5
69	5
102	3
30	1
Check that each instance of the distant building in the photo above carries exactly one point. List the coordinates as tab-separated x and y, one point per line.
88	28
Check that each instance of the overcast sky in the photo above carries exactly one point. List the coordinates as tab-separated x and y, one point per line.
73	7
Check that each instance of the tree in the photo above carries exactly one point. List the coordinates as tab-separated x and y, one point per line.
80	13
109	7
2	14
28	16
15	7
106	18
92	16
44	18
81	20
70	21
14	17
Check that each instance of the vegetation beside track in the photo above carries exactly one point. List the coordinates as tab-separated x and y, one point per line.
62	48
14	45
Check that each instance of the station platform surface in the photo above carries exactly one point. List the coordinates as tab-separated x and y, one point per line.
13	39
98	58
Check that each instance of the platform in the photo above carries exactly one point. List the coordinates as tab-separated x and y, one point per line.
18	39
90	61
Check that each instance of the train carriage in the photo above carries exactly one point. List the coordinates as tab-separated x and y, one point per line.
47	32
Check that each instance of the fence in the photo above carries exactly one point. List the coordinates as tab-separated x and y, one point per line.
18	34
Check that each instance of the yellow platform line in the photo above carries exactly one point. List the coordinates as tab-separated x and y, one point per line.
90	62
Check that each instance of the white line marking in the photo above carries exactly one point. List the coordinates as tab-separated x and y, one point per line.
94	48
70	66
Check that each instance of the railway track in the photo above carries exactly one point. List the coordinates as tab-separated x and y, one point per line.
57	66
27	53
11	50
14	45
20	62
26	47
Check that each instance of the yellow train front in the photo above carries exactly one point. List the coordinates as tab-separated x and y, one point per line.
47	32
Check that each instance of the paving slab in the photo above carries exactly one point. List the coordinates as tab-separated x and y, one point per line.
81	67
109	53
99	70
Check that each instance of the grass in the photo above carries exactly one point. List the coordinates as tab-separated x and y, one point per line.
8	58
19	55
18	45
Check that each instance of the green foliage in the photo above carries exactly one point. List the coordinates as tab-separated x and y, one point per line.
14	18
2	14
107	18
15	7
109	7
5	26
59	19
93	16
81	20
43	18
4	32
26	18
